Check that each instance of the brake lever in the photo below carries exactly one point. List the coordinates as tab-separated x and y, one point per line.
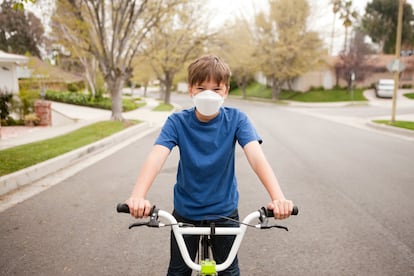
137	224
264	221
153	222
267	226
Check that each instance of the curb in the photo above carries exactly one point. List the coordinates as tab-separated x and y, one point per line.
396	130
327	104
36	172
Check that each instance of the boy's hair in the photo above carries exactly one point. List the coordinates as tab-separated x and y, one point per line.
208	68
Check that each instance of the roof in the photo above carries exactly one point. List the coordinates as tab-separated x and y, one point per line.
12	58
377	60
37	68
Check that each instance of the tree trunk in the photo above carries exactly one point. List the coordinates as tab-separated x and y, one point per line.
115	88
168	83
346	41
90	73
275	89
243	85
145	89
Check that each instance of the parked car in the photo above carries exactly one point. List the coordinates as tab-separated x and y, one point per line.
384	88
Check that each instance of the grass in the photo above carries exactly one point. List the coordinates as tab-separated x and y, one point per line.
20	157
256	90
334	95
401	124
163	107
409	95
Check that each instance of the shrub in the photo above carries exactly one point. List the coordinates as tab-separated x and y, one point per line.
31	119
5	103
73	87
27	100
78	98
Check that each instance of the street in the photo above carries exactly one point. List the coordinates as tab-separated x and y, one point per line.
354	189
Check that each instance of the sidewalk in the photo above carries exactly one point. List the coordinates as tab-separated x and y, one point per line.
67	118
367	122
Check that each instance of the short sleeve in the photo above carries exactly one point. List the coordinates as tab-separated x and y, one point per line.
245	131
168	136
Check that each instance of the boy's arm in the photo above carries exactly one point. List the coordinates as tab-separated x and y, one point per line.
138	205
281	207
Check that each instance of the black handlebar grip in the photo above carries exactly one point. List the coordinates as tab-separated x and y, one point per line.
295	211
122	208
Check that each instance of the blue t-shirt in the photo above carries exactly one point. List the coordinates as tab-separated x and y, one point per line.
206	184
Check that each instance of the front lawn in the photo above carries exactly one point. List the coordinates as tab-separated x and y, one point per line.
20	157
256	90
401	124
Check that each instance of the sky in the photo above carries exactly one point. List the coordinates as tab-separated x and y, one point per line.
321	18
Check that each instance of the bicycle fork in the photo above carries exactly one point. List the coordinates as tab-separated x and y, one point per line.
208	266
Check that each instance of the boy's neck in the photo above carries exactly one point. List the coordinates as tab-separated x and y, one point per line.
203	118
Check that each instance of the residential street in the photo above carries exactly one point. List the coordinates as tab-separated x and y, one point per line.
353	186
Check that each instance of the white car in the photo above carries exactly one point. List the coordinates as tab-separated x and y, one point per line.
384	88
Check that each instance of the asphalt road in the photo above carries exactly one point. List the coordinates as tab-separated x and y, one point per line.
354	188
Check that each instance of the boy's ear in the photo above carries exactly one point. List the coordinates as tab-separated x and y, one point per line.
190	91
227	91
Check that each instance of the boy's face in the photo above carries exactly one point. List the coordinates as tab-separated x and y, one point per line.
212	85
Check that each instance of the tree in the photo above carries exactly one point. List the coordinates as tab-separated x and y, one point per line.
380	23
20	32
347	14
143	73
113	32
354	61
180	37
237	46
286	49
20	4
336	4
67	34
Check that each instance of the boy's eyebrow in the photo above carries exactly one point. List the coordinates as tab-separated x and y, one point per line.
217	84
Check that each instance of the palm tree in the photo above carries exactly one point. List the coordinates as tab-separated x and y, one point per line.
335	9
347	14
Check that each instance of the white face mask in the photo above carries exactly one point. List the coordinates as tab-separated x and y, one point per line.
208	102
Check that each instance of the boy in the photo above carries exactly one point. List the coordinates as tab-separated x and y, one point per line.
206	185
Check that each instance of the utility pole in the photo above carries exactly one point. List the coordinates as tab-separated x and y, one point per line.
397	56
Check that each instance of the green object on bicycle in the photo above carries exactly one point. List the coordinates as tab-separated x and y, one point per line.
208	268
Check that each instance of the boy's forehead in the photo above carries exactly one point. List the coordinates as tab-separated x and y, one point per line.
211	81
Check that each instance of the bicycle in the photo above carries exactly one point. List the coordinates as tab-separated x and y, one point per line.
206	265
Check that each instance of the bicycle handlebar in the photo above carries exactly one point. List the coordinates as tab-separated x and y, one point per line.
178	230
124	208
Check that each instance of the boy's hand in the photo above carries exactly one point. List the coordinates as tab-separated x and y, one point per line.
282	208
139	207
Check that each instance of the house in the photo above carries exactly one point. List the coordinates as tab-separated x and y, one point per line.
8	73
325	76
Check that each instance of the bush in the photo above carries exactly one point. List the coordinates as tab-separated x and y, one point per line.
27	100
72	87
31	119
68	97
82	99
5	103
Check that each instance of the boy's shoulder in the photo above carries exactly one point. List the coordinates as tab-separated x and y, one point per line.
226	113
